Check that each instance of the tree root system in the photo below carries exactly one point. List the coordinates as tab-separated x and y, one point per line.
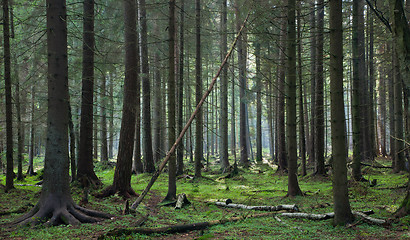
55	210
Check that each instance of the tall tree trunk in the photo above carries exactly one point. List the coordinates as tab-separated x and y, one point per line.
302	140
371	99
20	128
7	85
244	161
401	36
223	123
137	166
391	110
30	169
157	110
233	118
146	92
172	165
122	174
343	213
356	102
56	205
319	105
111	123
312	81
258	104
198	93
280	123
85	172
73	141
103	110
180	150
293	185
398	117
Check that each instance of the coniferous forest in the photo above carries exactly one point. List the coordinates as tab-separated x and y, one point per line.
225	119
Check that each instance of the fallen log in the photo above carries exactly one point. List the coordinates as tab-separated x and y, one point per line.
124	231
259	208
180	227
370	219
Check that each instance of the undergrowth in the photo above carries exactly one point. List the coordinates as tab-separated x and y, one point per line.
258	185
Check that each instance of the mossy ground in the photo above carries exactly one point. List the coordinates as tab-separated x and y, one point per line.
259	185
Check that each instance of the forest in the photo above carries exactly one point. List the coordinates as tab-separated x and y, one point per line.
225	119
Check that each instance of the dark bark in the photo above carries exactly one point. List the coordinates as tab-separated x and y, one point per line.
111	123
381	118
244	161
401	36
356	102
73	159
312	81
293	185
137	166
372	80
122	175
223	123
55	205
30	169
20	128
280	123
7	85
398	117
343	213
172	165
85	172
319	91
146	92
198	93
180	150
258	104
103	123
302	140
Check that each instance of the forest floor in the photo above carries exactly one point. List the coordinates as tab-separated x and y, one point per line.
259	185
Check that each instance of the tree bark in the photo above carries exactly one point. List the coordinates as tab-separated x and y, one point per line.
293	185
146	92
258	104
198	93
343	213
172	186
122	174
398	117
30	169
103	110
319	105
85	172
180	150
312	81
7	85
223	122
56	205
20	128
356	102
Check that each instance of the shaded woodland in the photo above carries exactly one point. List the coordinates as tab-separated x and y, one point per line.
201	90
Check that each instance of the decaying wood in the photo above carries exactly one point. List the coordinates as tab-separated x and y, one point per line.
181	201
191	119
126	209
292	207
180	227
370	219
124	231
310	216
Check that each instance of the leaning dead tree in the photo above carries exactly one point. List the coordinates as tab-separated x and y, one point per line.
188	124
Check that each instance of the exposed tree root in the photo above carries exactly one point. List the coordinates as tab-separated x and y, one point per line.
56	210
111	190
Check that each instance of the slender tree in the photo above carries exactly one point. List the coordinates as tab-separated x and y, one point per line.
293	185
56	205
180	150
343	214
103	123
244	160
258	104
319	105
198	93
20	127
172	186
9	111
146	92
223	122
85	172
356	102
122	174
30	169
